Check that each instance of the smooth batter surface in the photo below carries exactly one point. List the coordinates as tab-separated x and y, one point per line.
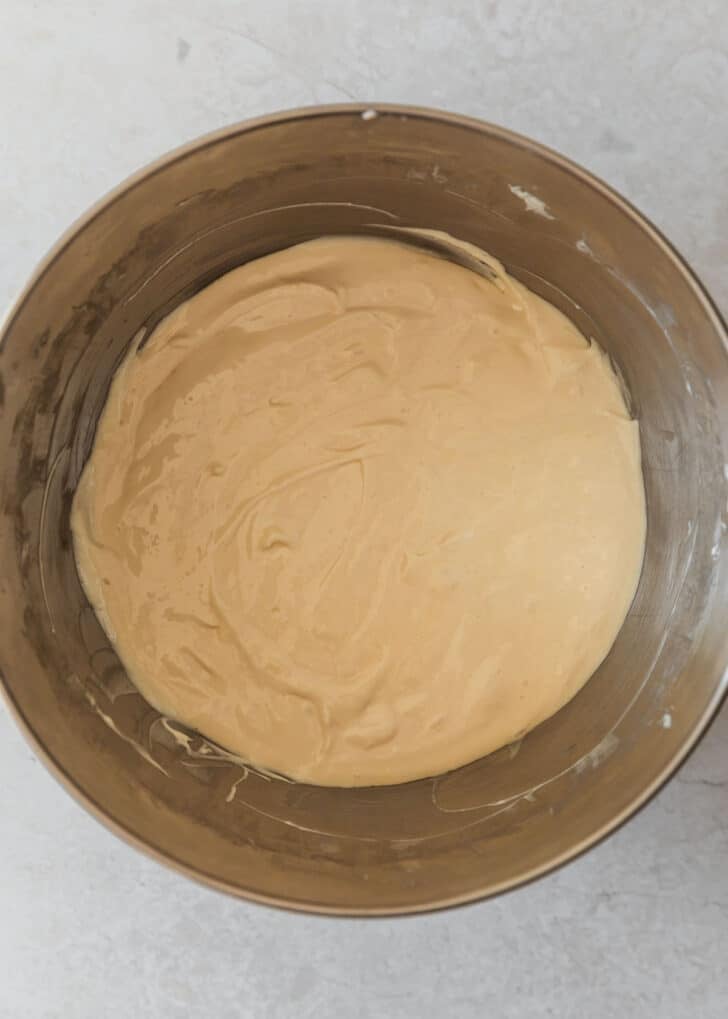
360	515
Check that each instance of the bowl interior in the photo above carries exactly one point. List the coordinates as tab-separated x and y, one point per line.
244	193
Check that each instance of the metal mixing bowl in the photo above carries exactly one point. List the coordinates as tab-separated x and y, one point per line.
252	189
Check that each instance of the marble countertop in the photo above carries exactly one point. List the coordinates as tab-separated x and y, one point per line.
636	92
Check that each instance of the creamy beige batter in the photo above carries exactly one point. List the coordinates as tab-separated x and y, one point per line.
360	515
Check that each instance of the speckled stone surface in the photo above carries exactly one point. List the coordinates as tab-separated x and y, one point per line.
636	91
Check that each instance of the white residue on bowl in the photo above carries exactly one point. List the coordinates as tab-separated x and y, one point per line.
531	202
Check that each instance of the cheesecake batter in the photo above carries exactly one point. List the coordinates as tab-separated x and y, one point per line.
361	515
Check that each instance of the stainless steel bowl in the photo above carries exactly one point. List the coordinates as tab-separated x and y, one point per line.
247	191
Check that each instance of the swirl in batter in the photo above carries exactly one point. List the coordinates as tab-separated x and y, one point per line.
361	515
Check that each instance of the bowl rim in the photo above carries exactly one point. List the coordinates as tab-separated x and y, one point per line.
368	111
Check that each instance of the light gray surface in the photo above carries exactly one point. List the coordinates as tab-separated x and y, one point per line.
637	93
